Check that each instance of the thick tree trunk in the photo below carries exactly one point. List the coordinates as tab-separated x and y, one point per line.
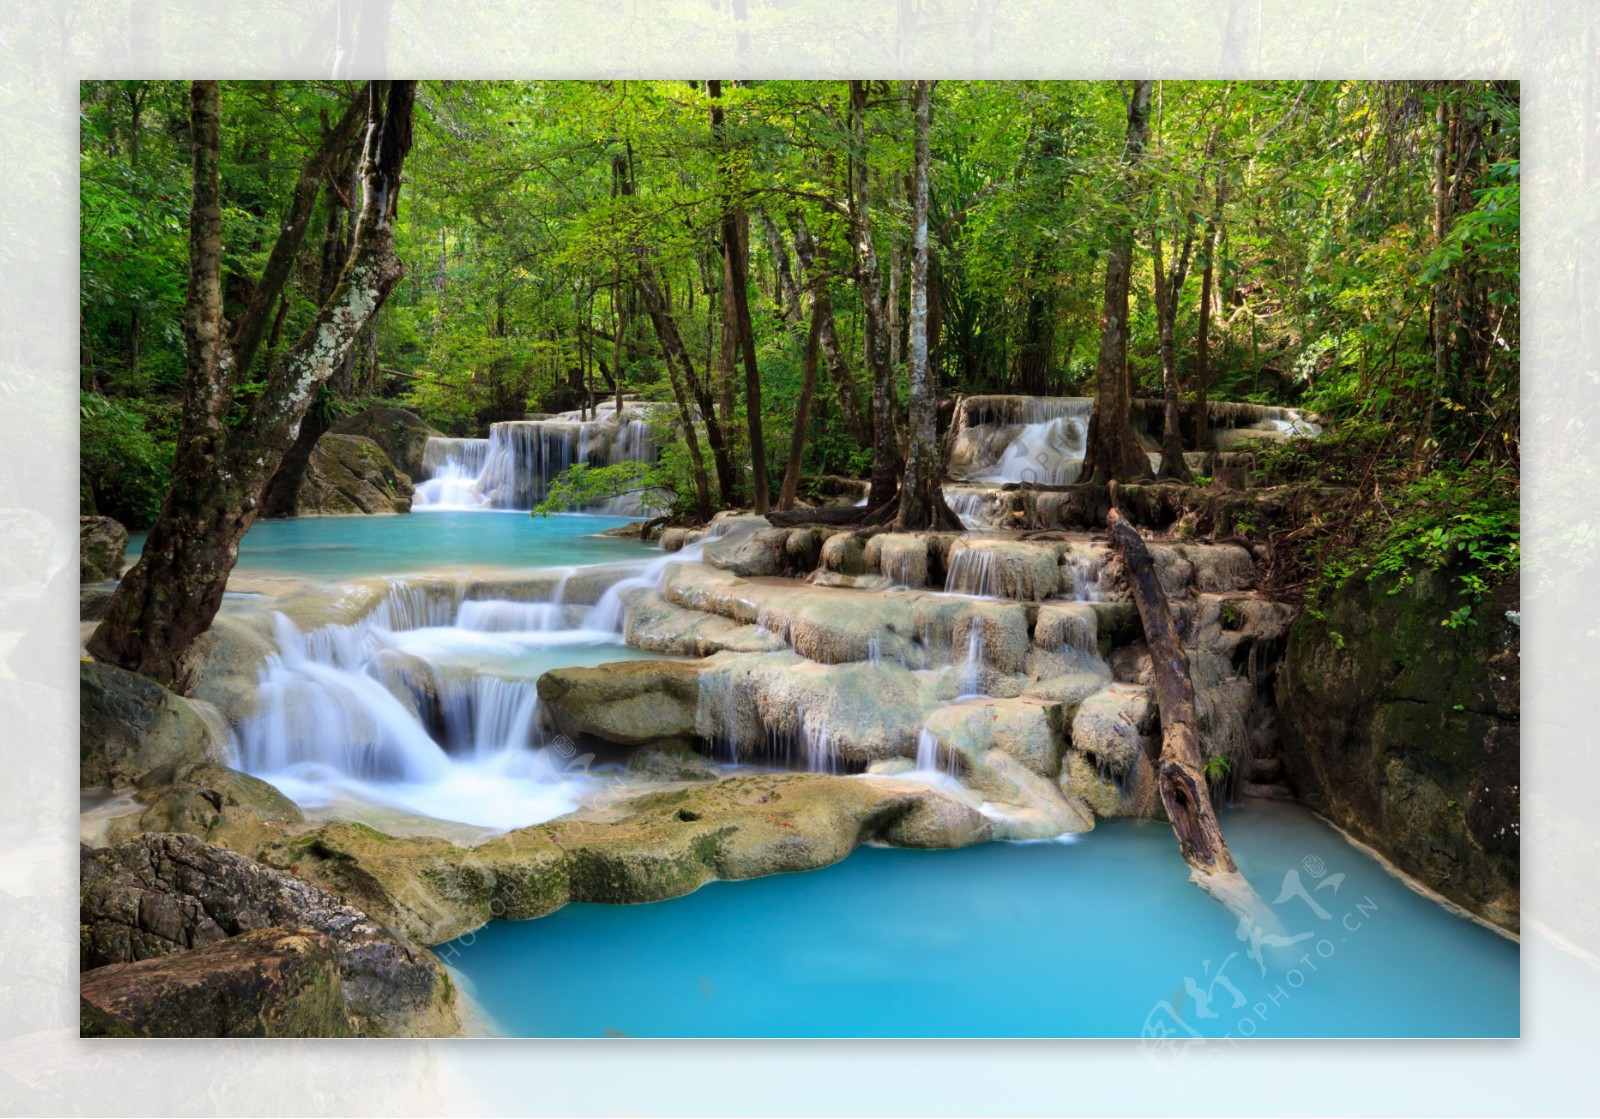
790	491
922	504
736	299
885	447
1181	767
1113	450
171	595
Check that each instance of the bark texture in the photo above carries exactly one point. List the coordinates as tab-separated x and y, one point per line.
885	447
220	469
1181	770
1113	451
922	504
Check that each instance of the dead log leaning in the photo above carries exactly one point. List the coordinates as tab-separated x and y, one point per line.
1181	767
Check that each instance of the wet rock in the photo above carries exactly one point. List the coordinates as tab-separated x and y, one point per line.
901	558
102	546
656	846
1014	569
844	554
672	765
631	703
214	803
402	435
1108	764
162	894
267	983
1406	732
129	725
352	474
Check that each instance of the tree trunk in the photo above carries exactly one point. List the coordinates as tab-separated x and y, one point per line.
802	412
1167	290
1113	451
1203	440
1181	767
885	448
685	386
922	504
786	291
736	299
171	595
844	384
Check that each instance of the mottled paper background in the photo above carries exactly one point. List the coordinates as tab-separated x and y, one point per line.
1553	46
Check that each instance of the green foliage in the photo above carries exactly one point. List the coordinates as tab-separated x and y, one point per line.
1464	522
1217	768
124	464
583	485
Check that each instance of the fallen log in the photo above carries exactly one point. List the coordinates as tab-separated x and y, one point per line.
1181	766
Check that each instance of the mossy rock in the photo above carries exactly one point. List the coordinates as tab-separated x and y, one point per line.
1406	731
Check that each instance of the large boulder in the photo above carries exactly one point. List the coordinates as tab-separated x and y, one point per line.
1406	732
352	474
630	702
162	894
102	546
402	434
220	805
655	846
266	983
130	725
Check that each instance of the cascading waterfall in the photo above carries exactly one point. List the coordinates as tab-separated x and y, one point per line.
974	571
1038	440
406	708
515	467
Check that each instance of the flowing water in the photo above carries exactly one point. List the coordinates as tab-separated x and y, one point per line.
515	466
427	708
1100	937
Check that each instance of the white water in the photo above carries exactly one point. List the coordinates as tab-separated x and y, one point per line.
429	705
515	467
972	662
973	571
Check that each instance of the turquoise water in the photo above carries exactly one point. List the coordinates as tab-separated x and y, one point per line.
342	547
1101	937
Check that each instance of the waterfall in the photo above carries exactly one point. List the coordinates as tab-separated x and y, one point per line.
974	571
1085	579
818	750
515	467
972	664
1041	440
419	706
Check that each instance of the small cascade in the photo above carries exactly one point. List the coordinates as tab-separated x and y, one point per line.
928	762
317	707
977	507
1085	572
483	715
972	663
451	468
817	750
410	707
610	613
1041	440
515	467
874	650
974	571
